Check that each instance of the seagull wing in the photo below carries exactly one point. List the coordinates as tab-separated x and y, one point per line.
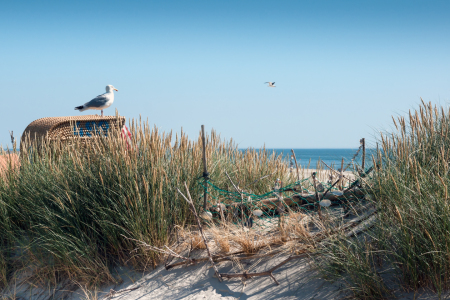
272	83
98	101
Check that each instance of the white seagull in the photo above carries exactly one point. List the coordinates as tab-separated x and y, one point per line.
101	101
271	84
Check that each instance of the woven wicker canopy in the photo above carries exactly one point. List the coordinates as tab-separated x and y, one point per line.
71	127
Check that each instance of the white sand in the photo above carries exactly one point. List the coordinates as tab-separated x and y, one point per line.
297	281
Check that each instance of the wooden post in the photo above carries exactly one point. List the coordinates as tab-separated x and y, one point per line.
363	144
341	176
205	170
296	165
317	195
378	158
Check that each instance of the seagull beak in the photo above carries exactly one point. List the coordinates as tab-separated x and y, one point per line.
116	90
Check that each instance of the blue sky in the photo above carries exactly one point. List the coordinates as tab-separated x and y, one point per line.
341	68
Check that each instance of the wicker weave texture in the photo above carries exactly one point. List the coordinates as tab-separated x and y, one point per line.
71	127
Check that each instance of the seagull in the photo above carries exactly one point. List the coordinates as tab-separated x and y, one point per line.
271	84
101	101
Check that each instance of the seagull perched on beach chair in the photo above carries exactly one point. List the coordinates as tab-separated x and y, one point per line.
271	84
101	101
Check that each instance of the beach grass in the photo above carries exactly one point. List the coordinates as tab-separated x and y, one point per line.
73	209
411	239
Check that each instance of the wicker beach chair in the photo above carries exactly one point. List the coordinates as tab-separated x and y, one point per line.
75	129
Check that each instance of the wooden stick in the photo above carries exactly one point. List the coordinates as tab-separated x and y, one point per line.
363	142
218	259
113	292
265	273
341	176
317	196
296	165
329	189
205	171
200	228
305	251
339	173
317	238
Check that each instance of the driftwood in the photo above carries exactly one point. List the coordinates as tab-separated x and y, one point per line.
113	292
316	238
338	173
187	261
296	165
265	273
303	198
317	196
218	259
369	217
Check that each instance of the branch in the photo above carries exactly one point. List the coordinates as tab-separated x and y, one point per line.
200	228
221	259
265	273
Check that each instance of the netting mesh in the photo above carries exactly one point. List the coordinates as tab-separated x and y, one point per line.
248	208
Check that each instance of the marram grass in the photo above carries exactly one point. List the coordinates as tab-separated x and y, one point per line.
71	209
411	240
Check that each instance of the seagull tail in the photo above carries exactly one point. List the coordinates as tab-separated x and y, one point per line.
81	108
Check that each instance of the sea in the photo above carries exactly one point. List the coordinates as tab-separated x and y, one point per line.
332	157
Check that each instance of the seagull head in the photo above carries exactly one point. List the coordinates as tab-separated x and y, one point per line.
110	88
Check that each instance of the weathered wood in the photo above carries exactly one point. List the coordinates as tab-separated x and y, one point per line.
363	144
296	165
205	170
338	173
317	196
218	259
309	198
265	273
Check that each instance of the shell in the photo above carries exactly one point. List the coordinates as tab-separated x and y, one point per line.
257	213
206	215
325	203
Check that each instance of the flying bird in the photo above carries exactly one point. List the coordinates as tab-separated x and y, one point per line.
101	101
271	84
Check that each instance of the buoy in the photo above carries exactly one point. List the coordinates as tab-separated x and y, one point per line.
206	215
325	203
257	212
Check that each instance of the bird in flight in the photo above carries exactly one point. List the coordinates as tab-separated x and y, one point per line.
101	101
271	84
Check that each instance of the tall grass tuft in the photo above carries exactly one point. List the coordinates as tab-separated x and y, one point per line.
72	207
410	190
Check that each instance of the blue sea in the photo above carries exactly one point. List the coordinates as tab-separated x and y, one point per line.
332	157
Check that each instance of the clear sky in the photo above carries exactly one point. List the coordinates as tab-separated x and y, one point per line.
341	68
